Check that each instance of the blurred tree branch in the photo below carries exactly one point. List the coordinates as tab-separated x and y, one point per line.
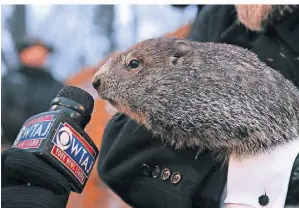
14	30
104	18
18	23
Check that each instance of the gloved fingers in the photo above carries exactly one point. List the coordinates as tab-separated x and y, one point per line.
23	196
22	167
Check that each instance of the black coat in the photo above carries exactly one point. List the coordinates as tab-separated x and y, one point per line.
145	173
24	93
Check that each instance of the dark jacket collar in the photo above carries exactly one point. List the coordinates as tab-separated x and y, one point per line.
35	72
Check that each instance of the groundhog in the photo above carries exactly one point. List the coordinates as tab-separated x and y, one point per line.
202	95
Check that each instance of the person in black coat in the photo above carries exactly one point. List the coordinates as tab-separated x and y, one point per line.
28	90
146	173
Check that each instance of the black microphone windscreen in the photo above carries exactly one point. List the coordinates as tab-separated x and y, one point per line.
78	95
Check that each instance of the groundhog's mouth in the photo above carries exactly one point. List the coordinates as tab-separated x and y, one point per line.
112	102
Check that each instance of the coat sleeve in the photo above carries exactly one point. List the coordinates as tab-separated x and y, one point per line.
146	173
11	116
293	191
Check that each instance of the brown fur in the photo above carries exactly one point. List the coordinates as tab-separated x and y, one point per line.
254	15
203	95
137	117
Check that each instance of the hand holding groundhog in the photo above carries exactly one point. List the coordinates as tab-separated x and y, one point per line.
202	95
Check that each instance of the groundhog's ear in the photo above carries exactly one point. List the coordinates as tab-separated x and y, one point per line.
181	48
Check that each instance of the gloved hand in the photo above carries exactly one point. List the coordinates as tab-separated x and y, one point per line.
30	181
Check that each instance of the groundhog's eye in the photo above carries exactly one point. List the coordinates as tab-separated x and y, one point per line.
134	64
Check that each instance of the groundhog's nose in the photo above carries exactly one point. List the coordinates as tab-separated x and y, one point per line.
96	83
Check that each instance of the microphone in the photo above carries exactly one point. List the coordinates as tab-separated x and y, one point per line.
58	136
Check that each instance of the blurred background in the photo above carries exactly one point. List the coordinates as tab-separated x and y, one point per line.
84	34
44	47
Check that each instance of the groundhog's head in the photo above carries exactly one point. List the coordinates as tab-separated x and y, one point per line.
209	95
132	79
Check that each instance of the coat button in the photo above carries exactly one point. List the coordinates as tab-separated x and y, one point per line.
146	170
156	172
176	178
165	174
263	200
